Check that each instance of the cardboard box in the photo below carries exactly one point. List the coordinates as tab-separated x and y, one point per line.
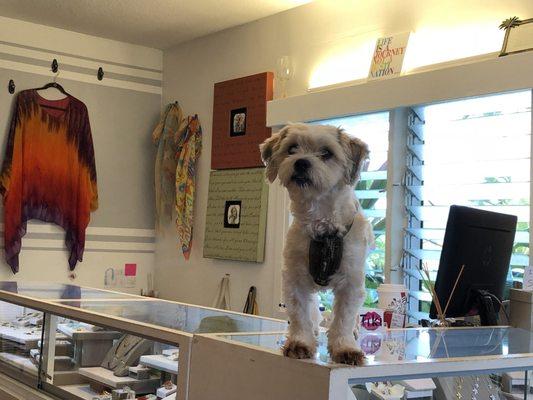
521	315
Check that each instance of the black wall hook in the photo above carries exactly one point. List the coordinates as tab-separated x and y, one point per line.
100	74
11	86
55	66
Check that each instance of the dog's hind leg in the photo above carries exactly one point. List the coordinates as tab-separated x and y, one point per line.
341	340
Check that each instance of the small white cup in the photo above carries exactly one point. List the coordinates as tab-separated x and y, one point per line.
393	297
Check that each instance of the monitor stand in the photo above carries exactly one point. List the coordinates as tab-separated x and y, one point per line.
487	307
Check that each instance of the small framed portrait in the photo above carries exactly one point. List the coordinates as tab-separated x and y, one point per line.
232	214
238	122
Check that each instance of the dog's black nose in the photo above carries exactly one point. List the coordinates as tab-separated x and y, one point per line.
301	165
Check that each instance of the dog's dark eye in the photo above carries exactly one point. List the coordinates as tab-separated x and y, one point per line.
326	154
292	149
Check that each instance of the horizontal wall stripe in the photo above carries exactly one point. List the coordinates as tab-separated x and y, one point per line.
42	236
61	41
102	238
59	244
81	70
64	59
33	69
131	251
43	227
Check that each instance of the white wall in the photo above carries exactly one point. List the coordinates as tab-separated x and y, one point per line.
123	109
328	41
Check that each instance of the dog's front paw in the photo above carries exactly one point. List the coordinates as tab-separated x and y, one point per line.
350	356
297	349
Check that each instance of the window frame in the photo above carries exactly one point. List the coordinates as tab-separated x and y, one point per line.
448	82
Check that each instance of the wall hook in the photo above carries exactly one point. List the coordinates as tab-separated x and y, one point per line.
100	74
11	86
55	66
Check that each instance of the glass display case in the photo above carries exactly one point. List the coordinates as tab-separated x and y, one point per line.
70	342
485	363
80	343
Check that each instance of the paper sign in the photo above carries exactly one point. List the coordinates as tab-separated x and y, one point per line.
397	320
130	269
388	56
528	278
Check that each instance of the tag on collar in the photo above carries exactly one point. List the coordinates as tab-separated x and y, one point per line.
325	256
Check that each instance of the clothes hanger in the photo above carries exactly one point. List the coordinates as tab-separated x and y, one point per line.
57	86
54	85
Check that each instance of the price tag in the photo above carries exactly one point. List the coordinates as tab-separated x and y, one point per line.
528	278
397	320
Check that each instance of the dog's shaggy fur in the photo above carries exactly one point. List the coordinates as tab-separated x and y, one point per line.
319	166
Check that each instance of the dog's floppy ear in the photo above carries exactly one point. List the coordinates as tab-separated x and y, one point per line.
267	149
357	153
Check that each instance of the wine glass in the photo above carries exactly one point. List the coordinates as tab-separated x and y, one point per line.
284	73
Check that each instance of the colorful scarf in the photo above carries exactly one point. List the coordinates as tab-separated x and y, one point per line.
170	126
189	148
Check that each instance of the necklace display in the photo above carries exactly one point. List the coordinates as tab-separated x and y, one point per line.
475	388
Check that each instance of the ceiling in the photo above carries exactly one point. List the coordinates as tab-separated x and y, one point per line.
154	23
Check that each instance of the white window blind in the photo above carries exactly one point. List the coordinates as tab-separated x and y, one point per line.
371	189
473	152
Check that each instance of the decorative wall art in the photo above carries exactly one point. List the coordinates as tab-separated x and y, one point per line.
236	215
239	121
518	35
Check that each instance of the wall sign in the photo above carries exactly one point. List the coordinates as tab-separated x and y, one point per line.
236	215
239	121
388	56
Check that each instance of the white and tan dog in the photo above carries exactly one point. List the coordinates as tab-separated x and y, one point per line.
319	166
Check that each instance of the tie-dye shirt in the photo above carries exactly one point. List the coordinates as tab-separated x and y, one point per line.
48	172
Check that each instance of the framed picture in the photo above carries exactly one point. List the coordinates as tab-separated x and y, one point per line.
239	121
236	215
232	214
518	36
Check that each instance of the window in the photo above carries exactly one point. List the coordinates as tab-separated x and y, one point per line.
473	152
371	189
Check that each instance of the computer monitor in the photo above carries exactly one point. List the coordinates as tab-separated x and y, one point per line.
482	241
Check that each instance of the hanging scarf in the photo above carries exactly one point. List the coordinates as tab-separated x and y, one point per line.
189	148
170	126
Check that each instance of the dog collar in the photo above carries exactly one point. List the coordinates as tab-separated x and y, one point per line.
325	255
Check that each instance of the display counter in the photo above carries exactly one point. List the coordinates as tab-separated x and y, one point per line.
464	363
70	342
84	343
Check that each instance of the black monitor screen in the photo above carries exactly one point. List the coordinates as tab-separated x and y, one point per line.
482	241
